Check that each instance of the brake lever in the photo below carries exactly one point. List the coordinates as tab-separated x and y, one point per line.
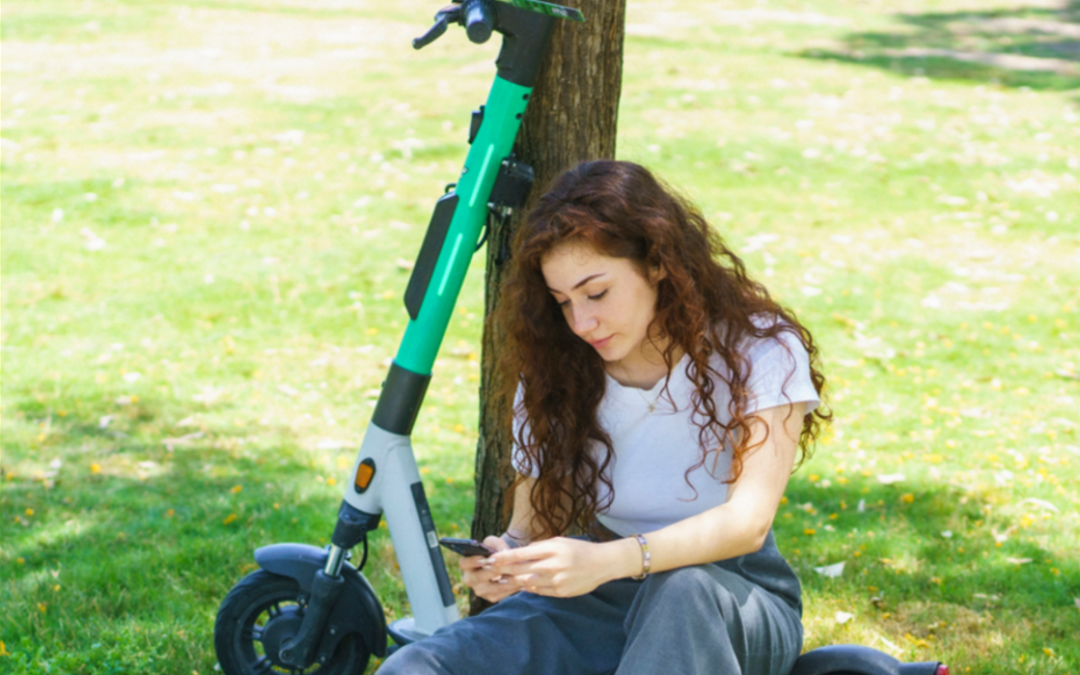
442	19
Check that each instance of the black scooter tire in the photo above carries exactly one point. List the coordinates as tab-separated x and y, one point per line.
246	612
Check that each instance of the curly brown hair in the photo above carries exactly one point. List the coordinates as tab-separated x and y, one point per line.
706	305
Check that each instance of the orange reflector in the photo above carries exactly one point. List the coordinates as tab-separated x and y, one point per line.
364	474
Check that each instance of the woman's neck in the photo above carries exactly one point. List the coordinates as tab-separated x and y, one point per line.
642	369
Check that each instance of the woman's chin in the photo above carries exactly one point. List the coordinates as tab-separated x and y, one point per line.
610	355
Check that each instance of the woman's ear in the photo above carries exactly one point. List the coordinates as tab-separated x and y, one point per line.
656	273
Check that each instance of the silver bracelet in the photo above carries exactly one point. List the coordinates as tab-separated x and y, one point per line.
646	557
511	541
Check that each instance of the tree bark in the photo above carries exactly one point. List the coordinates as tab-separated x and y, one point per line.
571	118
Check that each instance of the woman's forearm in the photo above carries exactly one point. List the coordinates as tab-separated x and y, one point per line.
716	534
523	526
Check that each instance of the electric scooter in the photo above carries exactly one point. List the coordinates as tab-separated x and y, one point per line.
309	610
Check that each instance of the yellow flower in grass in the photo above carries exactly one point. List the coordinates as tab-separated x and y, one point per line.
230	519
908	498
236	489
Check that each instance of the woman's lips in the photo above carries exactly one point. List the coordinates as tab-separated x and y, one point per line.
600	344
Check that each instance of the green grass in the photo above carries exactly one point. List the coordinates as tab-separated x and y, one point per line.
261	174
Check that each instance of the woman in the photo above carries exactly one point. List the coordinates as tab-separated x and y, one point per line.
661	399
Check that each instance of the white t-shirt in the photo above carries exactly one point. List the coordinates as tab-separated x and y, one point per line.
653	449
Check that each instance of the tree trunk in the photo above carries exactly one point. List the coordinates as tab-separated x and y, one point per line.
571	118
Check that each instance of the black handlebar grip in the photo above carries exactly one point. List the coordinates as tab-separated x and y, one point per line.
479	21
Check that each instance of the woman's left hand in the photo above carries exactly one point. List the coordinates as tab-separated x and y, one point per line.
559	567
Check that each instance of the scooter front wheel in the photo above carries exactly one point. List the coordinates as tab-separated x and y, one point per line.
258	615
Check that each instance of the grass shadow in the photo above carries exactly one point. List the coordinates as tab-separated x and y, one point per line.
132	558
91	552
1034	47
929	560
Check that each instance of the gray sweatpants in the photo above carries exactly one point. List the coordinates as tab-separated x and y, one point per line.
702	619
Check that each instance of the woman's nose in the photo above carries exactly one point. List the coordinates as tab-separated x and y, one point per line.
581	321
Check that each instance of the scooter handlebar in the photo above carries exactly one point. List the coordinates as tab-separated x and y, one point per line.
479	20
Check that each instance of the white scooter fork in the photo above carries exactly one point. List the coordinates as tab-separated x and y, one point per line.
387	465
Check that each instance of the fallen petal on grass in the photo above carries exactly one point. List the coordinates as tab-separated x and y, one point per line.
1041	502
208	395
890	478
172	444
91	241
886	642
831	571
844	617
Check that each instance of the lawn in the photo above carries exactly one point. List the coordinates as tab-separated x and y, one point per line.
209	211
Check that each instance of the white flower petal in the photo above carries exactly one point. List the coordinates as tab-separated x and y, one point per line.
831	571
890	478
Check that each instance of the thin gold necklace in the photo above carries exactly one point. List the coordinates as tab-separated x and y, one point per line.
656	399
652	405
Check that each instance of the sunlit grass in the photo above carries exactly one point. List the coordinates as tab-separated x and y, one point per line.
209	214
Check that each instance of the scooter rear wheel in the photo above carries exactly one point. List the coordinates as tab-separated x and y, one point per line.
257	615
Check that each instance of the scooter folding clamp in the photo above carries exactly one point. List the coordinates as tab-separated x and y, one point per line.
512	185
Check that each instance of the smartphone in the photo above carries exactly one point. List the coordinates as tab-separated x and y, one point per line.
466	547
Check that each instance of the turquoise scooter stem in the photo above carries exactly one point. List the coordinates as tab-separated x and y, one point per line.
505	107
386	480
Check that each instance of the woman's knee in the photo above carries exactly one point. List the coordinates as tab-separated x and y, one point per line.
707	587
681	583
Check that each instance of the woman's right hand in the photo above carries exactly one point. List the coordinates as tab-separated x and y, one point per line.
478	576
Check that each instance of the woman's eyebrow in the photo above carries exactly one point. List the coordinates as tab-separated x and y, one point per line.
581	283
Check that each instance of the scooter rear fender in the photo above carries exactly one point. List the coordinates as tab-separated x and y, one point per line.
857	660
358	610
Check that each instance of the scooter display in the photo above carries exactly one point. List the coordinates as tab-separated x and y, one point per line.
308	609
